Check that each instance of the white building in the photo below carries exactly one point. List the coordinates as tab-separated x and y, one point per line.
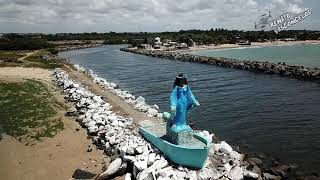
145	46
182	46
157	40
157	43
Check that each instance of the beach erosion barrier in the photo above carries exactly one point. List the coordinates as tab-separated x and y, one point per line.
80	46
132	155
281	68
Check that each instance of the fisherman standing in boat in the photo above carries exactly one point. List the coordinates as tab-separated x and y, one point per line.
181	101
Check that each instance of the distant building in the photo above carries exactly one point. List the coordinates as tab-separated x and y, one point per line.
144	46
157	40
167	41
173	43
156	46
1	35
166	44
36	37
157	43
244	42
182	46
289	39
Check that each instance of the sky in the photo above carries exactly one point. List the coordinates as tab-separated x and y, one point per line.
54	16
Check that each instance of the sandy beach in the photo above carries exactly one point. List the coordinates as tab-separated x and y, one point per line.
274	43
71	149
50	158
60	156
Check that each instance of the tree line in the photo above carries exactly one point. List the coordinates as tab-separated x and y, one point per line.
24	44
212	36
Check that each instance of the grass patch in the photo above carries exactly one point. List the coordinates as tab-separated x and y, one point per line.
28	110
37	60
10	56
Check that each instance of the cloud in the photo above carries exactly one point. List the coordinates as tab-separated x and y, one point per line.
136	15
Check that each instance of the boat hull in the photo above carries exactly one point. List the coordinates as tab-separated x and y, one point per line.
183	155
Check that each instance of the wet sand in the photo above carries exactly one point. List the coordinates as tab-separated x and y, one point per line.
225	46
54	158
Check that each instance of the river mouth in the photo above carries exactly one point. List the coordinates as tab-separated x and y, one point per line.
258	112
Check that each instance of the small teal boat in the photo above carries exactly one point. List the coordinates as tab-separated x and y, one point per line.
175	138
194	153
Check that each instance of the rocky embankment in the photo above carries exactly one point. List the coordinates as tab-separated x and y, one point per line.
282	69
134	157
80	46
132	154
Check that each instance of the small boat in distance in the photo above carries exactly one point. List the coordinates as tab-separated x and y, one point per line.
244	42
192	154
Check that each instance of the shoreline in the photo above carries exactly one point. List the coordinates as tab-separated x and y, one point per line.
253	45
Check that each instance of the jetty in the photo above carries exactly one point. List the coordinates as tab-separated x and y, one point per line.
281	68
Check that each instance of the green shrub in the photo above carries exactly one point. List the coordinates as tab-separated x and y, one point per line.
24	44
53	51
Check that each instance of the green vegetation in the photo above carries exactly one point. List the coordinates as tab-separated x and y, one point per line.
137	42
11	58
212	36
53	51
23	44
28	110
37	60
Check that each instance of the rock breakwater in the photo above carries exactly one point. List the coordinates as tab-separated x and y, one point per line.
282	69
80	46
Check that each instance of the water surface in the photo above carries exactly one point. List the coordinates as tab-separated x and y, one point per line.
258	112
304	54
